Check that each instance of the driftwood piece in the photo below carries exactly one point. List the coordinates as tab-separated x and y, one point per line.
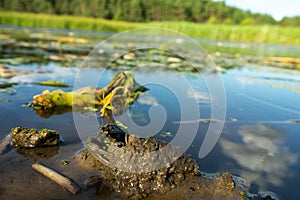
5	143
61	180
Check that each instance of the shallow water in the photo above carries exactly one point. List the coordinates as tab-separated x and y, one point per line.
261	145
259	141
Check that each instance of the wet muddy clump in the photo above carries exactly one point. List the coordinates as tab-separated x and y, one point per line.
137	168
121	91
25	137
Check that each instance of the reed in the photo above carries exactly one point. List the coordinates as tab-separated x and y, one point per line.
64	21
241	33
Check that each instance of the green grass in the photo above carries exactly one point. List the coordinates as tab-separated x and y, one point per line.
261	34
250	33
64	21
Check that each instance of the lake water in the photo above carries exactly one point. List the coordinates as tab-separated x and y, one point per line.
259	142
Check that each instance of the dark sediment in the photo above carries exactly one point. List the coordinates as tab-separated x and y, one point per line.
181	176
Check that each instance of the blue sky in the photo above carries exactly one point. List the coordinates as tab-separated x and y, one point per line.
277	8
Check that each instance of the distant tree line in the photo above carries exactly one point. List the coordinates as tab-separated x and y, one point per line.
199	11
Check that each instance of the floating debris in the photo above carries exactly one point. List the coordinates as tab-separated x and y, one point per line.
5	100
71	40
53	83
129	56
173	60
220	69
8	91
234	119
166	134
294	121
14	61
6	72
65	57
285	60
59	98
4	37
120	92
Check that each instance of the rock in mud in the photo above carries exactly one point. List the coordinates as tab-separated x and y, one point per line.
25	137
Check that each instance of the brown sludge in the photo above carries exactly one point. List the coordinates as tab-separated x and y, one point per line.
181	177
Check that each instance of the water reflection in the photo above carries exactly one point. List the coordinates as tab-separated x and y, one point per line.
253	94
278	78
199	96
147	100
262	155
39	153
46	113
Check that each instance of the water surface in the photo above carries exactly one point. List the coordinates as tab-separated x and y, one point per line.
259	141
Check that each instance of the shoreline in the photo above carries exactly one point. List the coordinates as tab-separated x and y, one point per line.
270	34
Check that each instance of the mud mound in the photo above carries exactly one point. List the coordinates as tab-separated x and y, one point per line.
125	157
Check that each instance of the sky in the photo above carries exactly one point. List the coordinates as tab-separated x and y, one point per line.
277	8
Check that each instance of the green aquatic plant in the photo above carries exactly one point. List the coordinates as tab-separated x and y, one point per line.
7	85
120	92
53	83
14	61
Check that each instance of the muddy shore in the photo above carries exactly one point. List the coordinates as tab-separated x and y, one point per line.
181	179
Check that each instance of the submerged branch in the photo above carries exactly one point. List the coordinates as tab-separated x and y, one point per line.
61	180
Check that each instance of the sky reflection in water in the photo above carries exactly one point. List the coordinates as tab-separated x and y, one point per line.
258	142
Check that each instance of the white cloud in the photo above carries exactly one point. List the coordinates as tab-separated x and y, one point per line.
263	158
200	97
147	100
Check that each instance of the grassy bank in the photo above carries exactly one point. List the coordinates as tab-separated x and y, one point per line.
250	33
64	21
262	34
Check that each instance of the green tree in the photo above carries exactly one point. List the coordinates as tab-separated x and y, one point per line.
228	21
198	11
136	11
247	21
290	21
